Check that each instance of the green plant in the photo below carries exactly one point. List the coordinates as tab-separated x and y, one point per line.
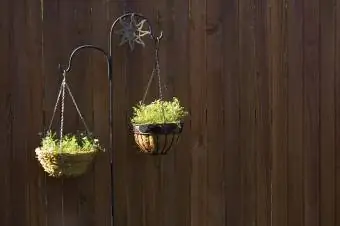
158	112
71	144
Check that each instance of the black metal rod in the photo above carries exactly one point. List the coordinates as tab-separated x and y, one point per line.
108	56
68	68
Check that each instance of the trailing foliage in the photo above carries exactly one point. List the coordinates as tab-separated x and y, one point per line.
158	112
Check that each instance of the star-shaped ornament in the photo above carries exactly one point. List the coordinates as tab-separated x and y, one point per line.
132	32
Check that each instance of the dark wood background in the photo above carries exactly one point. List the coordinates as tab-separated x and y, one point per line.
260	78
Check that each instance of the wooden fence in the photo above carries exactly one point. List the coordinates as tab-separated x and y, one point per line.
261	80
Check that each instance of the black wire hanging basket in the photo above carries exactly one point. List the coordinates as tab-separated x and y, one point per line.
70	155
157	126
157	138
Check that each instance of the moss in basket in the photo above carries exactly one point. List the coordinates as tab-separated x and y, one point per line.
71	144
158	112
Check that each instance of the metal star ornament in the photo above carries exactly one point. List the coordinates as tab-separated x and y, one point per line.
132	32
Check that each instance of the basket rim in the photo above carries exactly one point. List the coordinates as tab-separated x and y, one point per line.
44	150
158	128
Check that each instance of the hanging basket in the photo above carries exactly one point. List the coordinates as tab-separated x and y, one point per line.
157	126
68	156
157	139
59	164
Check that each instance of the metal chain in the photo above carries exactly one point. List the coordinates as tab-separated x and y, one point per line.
62	95
149	84
77	108
63	84
156	69
55	107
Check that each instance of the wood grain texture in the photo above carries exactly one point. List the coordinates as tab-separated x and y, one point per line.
327	114
198	106
6	116
247	97
36	90
231	93
260	80
311	110
20	108
215	108
295	114
279	91
337	121
262	115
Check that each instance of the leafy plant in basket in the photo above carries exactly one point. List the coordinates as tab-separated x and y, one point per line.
69	155
158	125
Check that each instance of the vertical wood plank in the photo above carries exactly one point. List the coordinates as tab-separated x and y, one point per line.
51	30
231	82
278	69
327	112
295	113
337	119
182	90
247	110
20	105
262	115
175	66
5	111
36	87
102	182
311	112
215	149
198	100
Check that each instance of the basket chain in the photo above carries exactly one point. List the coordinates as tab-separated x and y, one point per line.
61	94
55	107
77	108
62	108
157	70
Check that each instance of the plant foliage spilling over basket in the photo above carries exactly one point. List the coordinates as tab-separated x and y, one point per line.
157	126
69	155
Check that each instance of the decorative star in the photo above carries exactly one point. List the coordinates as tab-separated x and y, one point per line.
132	32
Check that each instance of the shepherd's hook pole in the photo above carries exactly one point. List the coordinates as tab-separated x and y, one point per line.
131	32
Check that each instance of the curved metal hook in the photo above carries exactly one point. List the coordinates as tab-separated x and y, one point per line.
68	68
159	37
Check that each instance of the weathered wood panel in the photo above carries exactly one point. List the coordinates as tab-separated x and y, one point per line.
260	79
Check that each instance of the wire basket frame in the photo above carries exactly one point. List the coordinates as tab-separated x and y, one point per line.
157	139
